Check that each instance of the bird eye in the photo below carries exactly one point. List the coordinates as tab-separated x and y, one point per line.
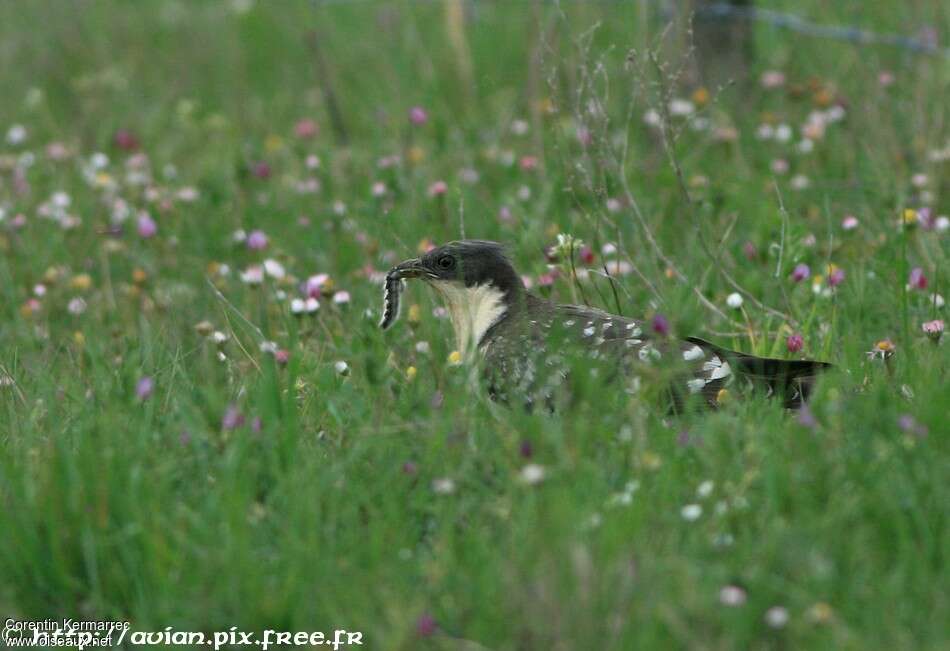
445	262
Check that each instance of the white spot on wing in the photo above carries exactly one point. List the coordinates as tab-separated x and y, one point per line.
695	386
692	353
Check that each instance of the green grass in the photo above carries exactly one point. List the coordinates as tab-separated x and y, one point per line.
151	511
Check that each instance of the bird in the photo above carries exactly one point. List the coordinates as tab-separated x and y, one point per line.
528	345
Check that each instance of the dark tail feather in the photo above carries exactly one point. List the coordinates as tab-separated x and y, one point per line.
790	379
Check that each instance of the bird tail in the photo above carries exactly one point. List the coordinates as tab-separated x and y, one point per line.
791	380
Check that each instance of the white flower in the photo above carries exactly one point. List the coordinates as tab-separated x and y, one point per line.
76	306
269	347
219	337
524	193
691	512
705	489
942	223
776	617
732	595
532	473
443	485
681	107
342	367
98	161
783	133
298	306
341	297
16	135
734	300
422	347
519	127
800	182
652	117
765	132
253	275
274	269
238	236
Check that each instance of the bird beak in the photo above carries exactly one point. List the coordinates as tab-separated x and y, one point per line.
409	269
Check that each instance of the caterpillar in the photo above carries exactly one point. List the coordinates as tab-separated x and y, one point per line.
391	288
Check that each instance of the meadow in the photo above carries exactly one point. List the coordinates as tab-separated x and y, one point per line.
202	426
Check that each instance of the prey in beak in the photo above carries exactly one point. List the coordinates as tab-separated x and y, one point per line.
394	285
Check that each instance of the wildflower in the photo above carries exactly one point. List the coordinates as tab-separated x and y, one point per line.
705	489
820	613
519	127
723	396
341	297
378	189
661	325
772	79
681	107
144	388
917	279
305	128
443	486
418	115
691	512
587	255
81	282
750	251
783	133
795	343
341	367
146	226
734	300
411	373
261	170
232	419
455	358
16	135
409	468
776	617
281	356
779	166
801	272
800	182
125	140
425	625
883	349
529	163
885	78
274	269
909	425
732	595
933	329
835	276
806	418
256	240
253	275
849	223
909	217
919	180
438	189
76	306
532	473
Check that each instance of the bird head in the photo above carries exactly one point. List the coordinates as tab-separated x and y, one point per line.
475	278
465	263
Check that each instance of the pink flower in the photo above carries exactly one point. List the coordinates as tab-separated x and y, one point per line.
587	255
261	170
917	279
232	418
282	357
546	280
909	425
425	625
146	226
144	388
933	329
749	250
438	188
529	163
418	115
836	277
661	325
305	128
504	214
126	140
314	285
849	223
795	343
801	272
257	240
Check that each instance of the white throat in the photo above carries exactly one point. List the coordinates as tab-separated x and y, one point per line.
473	311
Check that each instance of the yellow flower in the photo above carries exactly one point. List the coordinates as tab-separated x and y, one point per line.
820	613
411	373
651	460
909	217
138	275
81	282
885	345
103	179
723	396
273	143
79	338
414	313
415	154
700	96
455	358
